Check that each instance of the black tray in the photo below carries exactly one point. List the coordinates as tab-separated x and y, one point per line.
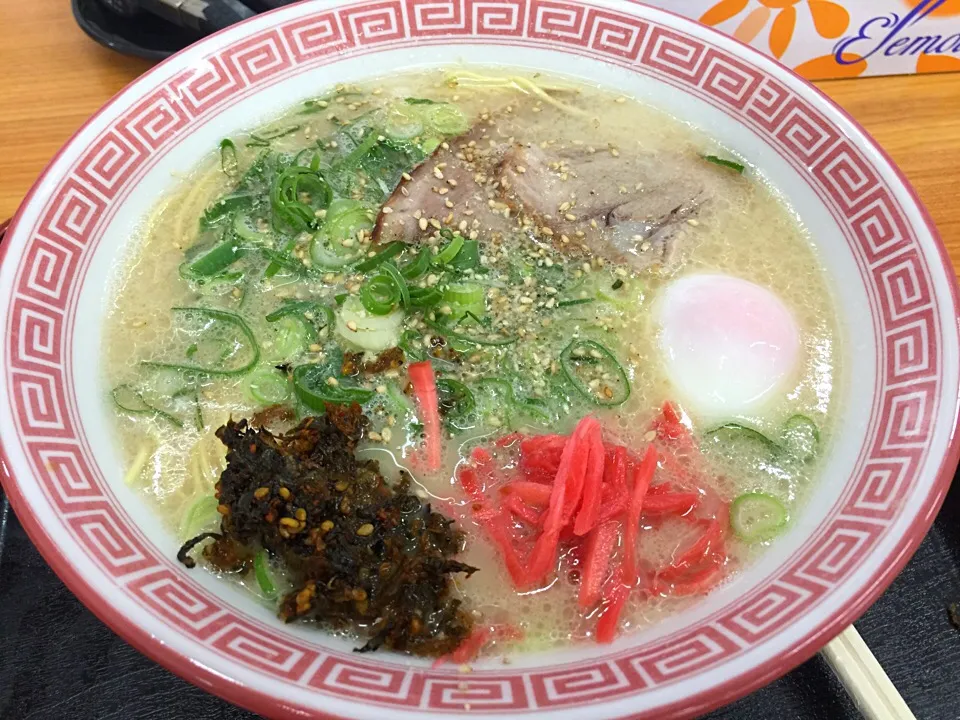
58	661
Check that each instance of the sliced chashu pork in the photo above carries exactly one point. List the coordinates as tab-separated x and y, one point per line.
623	208
454	185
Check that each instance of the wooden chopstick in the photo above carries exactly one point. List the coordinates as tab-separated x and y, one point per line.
864	678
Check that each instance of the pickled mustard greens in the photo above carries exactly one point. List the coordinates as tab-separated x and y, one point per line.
472	258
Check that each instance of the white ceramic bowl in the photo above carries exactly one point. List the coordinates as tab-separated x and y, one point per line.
882	482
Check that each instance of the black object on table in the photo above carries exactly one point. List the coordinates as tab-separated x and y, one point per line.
58	661
131	27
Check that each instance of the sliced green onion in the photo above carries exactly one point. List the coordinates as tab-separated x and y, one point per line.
131	401
469	256
288	338
281	261
419	101
324	257
287	197
245	231
228	157
446	119
214	323
363	147
318	315
261	570
730	164
216	261
417	268
491	339
572	303
226	205
800	437
264	138
467	294
344	220
367	331
388	253
380	295
424	297
313	388
734	432
757	517
538	410
450	251
581	355
390	269
201	516
403	123
430	144
456	403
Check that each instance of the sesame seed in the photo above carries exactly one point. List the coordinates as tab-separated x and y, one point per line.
261	492
285	493
570	216
387	434
448	203
387	210
693	221
381	389
352	325
407	176
443	191
365	529
423	223
289	522
375	436
435	223
521	169
332	381
620	100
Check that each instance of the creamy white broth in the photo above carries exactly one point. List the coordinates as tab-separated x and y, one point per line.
751	233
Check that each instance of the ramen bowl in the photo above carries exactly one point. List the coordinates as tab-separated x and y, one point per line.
882	481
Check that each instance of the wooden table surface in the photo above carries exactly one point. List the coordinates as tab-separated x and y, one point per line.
54	77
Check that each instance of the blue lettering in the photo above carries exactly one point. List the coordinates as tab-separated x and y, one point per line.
922	44
942	47
893	22
845	45
892	50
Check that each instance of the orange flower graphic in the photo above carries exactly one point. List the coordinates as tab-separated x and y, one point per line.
829	18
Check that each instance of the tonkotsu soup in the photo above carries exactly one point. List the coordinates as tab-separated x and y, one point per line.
467	362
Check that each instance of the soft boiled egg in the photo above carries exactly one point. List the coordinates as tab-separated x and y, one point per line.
729	345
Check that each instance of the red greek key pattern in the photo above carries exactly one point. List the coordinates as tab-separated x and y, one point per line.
897	281
395	685
275	655
179	603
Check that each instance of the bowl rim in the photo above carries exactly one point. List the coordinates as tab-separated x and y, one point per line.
719	694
